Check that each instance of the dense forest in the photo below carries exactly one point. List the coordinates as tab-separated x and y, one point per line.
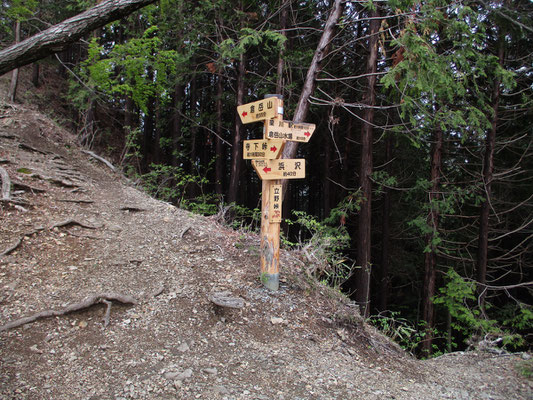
418	195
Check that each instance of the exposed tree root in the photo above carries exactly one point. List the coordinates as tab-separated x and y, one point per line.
184	231
55	180
30	148
107	312
76	201
132	209
71	221
24	186
11	248
6	185
60	224
105	298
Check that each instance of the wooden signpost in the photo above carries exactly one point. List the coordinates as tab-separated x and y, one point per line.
271	169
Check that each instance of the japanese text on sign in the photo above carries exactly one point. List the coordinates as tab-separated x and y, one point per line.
274	213
288	130
261	149
280	168
259	110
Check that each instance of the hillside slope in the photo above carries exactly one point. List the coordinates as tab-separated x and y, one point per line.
81	230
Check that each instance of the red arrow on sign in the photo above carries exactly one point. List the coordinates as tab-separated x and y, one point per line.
307	134
273	148
266	169
244	114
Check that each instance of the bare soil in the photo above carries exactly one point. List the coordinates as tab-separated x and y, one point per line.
303	342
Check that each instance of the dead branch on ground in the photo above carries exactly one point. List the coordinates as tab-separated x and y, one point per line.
88	302
102	160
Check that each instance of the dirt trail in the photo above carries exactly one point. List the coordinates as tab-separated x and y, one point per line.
303	342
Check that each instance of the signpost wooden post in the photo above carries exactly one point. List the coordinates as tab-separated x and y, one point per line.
270	224
271	169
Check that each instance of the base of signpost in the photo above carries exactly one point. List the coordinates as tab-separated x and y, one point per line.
269	241
270	281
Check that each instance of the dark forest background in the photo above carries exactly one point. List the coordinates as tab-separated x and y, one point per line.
418	195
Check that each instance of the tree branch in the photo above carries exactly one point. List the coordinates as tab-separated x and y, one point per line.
58	37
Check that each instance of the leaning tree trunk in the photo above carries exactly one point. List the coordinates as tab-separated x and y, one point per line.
362	294
281	58
430	259
15	75
58	37
488	168
290	148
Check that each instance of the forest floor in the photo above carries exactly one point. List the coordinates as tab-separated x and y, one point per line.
82	230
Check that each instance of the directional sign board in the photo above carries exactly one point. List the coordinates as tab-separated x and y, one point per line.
280	168
274	212
259	110
261	149
288	130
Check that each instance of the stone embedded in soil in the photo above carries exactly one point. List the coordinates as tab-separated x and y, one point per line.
210	371
184	347
171	375
220	389
184	375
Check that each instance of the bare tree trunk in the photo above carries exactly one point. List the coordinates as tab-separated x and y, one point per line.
15	75
289	151
35	74
192	191
488	168
176	123
158	152
220	158
147	147
362	295
347	172
58	37
430	259
327	176
385	234
236	151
